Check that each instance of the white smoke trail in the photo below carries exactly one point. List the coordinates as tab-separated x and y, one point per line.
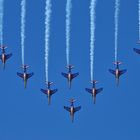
92	35
68	22
47	34
23	14
139	18
1	21
117	4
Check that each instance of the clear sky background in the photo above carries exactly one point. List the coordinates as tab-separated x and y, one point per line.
25	114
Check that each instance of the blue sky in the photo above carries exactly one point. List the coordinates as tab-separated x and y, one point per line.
25	114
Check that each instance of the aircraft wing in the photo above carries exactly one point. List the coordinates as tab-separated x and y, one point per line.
122	71
54	91
30	75
43	90
65	75
136	50
20	74
112	71
77	108
8	56
99	90
88	90
74	75
67	108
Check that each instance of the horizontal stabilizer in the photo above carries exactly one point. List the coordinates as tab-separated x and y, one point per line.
117	63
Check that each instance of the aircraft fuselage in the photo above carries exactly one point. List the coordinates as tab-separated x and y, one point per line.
94	92
3	58
24	76
69	76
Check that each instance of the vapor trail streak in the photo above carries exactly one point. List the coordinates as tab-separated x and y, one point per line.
47	34
68	23
92	35
117	4
1	21
23	14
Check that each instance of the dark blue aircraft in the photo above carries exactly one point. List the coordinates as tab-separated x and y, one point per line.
117	72
70	75
93	90
4	56
25	76
49	92
72	109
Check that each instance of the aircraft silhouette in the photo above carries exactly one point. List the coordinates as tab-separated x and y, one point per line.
117	72
93	90
70	75
72	109
4	56
49	92
25	76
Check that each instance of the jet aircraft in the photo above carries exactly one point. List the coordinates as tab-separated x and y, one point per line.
117	72
93	90
4	56
25	76
49	92
72	109
70	75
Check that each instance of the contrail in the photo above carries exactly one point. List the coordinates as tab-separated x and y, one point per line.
92	34
139	18
1	21
68	22
117	5
23	14
47	34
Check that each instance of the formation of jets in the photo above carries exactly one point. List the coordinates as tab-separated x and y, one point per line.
70	76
